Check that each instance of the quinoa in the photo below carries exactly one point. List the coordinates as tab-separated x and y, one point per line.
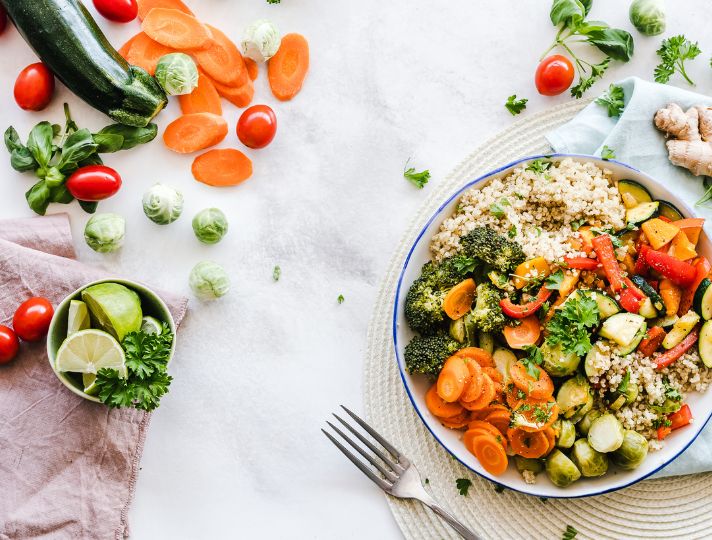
541	211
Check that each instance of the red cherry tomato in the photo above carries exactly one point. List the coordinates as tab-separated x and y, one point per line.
257	126
94	183
9	344
121	11
34	87
32	318
3	19
554	75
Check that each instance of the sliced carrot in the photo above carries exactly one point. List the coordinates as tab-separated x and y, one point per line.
458	300
193	132
240	96
438	406
535	414
222	60
651	342
524	334
474	388
204	98
124	49
456	422
551	437
144	6
494	374
490	453
540	388
221	168
671	295
482	413
288	68
453	379
478	427
513	395
176	29
500	419
529	445
485	398
145	52
252	68
482	357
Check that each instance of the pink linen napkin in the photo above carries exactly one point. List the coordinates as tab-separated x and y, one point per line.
68	466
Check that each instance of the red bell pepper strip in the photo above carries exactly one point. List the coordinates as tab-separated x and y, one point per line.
603	247
629	301
655	284
652	341
640	295
702	270
641	264
665	219
581	263
677	271
663	431
519	311
678	419
678	350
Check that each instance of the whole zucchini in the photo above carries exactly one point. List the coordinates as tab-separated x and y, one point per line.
67	39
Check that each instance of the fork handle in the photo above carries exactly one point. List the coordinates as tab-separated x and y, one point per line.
466	533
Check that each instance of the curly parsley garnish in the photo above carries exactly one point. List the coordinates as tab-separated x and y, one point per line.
607	153
539	166
570	533
613	100
463	485
571	326
673	52
533	359
514	105
418	179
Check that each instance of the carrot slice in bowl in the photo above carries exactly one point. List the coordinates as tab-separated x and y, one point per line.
500	419
458	300
453	379
525	334
439	407
482	357
222	60
528	444
485	398
540	387
456	422
474	387
176	29
193	132
288	68
204	98
535	414
478	427
490	453
144	6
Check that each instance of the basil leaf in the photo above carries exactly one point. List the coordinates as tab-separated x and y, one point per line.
568	12
592	26
586	6
89	206
94	159
78	146
108	142
133	136
60	194
616	43
54	177
22	161
40	143
56	130
12	140
38	197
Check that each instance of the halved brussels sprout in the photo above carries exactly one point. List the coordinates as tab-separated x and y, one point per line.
632	452
585	423
528	464
463	331
565	433
606	433
558	363
561	470
504	359
574	396
588	460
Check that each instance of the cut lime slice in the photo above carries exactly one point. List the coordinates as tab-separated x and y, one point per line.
88	351
113	308
151	325
78	318
90	387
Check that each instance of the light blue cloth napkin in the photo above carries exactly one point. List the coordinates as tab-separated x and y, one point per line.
636	141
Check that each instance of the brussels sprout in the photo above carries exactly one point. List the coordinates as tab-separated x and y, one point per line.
561	470
177	74
162	204
585	424
631	393
486	342
210	225
209	280
565	433
648	16
588	460
503	361
261	41
632	452
105	232
605	433
574	396
558	363
528	464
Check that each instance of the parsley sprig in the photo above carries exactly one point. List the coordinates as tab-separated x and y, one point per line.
612	100
570	533
533	359
514	105
673	53
607	153
463	485
571	326
418	179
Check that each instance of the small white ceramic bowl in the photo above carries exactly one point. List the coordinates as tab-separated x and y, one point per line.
151	304
416	386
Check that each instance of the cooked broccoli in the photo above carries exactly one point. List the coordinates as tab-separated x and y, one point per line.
426	355
493	248
487	314
423	303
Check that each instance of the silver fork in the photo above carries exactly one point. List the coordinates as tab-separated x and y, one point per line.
399	477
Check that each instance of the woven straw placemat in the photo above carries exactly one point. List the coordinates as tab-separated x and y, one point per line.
676	507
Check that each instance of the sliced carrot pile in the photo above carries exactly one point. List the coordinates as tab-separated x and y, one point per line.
240	96
456	422
482	413
223	167
538	388
535	414
453	379
222	60
288	68
458	300
490	453
482	357
528	444
478	427
474	388
439	407
176	29
204	98
124	49
252	69
524	334
193	132
145	52
144	6
500	419
485	398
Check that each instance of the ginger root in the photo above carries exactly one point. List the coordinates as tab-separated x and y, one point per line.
691	146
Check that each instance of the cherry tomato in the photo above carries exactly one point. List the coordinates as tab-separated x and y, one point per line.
554	75
121	11
3	19
9	344
93	183
257	126
34	87
32	318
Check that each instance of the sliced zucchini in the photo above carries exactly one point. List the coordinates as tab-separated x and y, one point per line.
680	329
703	299
618	403
635	189
622	328
665	322
669	211
623	350
503	360
651	293
642	212
647	309
607	306
705	343
486	342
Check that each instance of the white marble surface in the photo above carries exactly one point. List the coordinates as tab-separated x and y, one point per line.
235	450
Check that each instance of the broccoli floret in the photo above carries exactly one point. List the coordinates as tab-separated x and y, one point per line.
493	248
426	354
423	303
487	314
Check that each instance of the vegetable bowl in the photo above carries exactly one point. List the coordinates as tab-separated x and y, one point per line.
101	318
536	326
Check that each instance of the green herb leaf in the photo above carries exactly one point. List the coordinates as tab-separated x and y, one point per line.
553	282
514	105
38	197
512	232
60	194
79	146
496	210
40	143
613	100
706	197
276	273
12	140
571	326
464	265
613	42
418	179
21	160
340	299
463	485
587	81
539	166
673	53
89	206
625	381
533	359
108	142
567	12
570	533
577	224
54	177
607	153
130	136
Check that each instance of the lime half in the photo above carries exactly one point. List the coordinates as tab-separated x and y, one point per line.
151	325
89	381
113	308
88	351
78	318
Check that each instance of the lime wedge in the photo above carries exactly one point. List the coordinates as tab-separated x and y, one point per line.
78	318
113	308
151	325
88	351
90	387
